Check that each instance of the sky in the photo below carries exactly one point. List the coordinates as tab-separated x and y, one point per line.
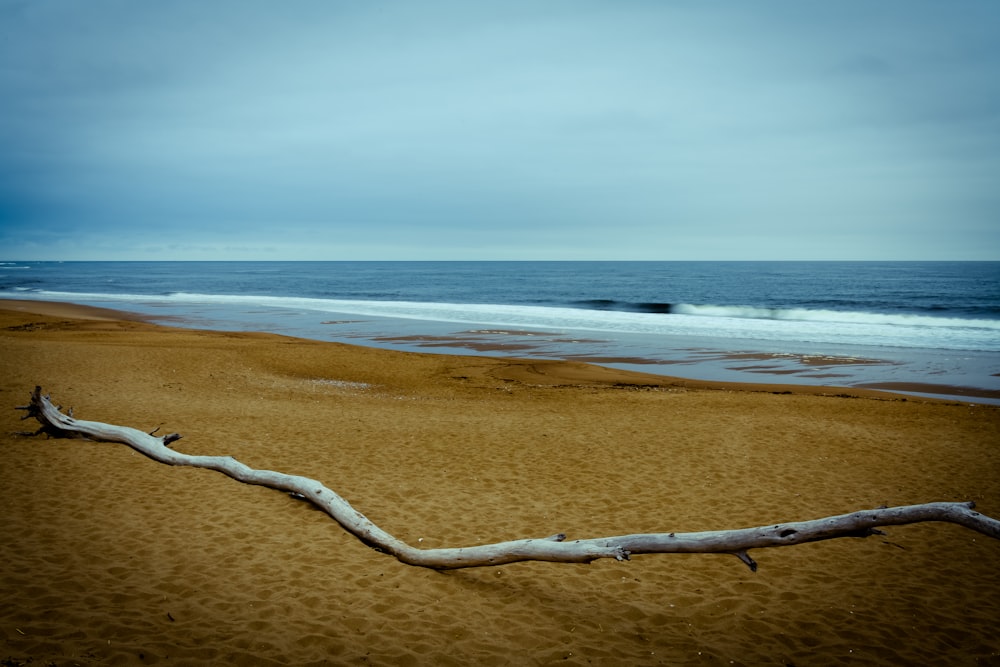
433	130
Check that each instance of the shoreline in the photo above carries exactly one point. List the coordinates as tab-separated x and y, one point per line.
111	558
888	390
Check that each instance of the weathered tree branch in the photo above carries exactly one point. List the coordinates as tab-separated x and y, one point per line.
553	548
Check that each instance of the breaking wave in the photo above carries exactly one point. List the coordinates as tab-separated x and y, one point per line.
786	314
815	315
725	322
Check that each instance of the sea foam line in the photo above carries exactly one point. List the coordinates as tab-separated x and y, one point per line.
461	312
820	315
810	326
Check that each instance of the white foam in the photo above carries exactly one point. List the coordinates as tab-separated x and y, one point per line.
809	315
732	322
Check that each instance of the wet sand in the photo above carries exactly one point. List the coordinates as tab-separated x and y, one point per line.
110	558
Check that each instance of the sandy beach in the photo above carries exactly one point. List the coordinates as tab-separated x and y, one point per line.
110	558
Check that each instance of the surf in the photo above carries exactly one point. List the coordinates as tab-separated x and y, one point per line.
718	322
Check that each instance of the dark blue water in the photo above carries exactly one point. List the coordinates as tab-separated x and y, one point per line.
948	289
842	323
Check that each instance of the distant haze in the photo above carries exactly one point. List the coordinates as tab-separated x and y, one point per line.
499	130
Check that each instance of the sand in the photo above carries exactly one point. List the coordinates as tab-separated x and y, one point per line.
110	558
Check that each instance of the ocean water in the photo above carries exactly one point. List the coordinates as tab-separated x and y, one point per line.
929	328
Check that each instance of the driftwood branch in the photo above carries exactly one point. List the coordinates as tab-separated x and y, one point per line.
554	548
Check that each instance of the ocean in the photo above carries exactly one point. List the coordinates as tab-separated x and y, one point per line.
926	328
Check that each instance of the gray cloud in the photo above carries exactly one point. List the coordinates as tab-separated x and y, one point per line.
481	130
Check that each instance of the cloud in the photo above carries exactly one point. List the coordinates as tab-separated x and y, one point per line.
646	130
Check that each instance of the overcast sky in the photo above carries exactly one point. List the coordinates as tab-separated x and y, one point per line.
499	130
